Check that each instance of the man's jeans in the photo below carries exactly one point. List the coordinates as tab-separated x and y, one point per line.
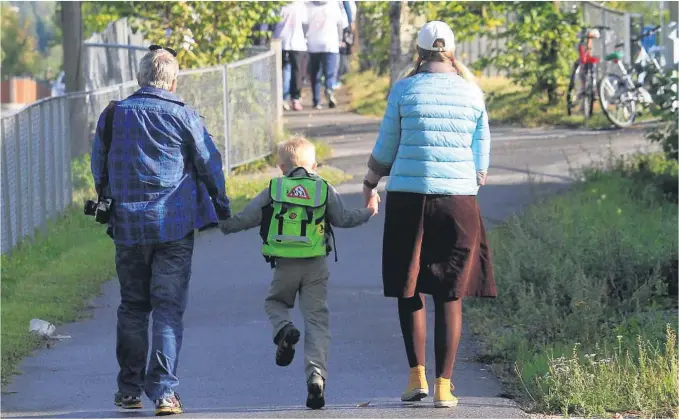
153	278
323	63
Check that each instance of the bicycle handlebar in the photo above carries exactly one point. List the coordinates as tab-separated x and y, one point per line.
645	34
605	28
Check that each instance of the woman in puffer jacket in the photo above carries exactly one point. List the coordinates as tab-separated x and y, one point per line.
434	144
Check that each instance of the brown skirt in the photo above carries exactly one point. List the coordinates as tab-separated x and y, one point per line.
437	245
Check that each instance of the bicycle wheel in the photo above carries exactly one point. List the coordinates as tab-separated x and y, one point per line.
572	100
618	103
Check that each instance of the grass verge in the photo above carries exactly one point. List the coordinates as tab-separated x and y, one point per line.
53	277
585	322
506	102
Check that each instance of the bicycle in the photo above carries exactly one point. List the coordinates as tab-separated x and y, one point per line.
620	93
584	74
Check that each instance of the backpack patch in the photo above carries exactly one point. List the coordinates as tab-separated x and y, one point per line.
298	192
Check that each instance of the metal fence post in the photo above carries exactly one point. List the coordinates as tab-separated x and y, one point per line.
43	170
7	233
66	160
53	154
226	157
604	34
58	150
29	163
628	39
277	48
20	182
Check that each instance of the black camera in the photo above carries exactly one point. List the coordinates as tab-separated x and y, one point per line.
101	210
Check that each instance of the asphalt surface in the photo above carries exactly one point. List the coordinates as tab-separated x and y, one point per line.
227	362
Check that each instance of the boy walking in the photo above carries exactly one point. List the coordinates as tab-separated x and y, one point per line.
296	214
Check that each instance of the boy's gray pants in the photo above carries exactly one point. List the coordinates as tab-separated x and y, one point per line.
309	277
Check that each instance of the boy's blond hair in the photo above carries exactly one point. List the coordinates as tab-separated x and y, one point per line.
297	152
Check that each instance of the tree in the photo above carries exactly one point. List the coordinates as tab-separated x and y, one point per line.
375	31
540	46
467	19
203	33
98	14
19	51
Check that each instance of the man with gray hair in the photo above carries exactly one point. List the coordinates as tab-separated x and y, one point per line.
154	158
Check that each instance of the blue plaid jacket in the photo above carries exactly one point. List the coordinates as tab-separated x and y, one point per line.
164	172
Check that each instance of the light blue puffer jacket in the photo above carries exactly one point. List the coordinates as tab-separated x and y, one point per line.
434	136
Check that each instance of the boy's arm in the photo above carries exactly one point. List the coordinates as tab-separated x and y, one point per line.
338	216
250	217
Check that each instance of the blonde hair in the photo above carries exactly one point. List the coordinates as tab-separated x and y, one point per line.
297	151
442	57
159	69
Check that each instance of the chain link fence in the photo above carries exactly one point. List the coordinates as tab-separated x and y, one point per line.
36	168
113	56
240	103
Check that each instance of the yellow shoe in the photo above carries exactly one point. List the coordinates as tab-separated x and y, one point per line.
418	388
443	396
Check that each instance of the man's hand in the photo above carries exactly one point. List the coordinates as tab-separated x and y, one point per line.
223	226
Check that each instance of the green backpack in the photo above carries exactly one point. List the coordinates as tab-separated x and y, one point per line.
295	224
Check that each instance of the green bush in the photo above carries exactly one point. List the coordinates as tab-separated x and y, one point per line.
666	107
538	52
587	269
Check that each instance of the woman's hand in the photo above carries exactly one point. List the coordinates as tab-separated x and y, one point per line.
481	178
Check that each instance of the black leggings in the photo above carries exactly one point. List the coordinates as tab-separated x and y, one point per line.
447	331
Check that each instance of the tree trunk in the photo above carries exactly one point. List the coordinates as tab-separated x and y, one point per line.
72	41
395	10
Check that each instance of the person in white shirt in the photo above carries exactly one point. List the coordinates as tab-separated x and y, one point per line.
327	21
290	30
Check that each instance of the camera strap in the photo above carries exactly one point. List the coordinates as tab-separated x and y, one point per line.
107	138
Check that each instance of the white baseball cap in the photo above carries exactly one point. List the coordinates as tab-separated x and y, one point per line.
431	31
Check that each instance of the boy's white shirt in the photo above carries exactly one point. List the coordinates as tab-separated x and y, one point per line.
326	21
290	29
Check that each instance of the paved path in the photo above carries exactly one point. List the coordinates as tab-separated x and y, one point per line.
227	367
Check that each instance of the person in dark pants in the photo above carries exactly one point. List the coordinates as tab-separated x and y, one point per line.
290	30
347	42
153	156
326	23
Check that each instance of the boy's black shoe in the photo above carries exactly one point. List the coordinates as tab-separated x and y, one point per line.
316	388
286	340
